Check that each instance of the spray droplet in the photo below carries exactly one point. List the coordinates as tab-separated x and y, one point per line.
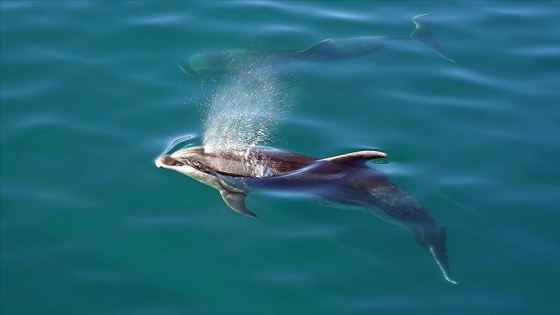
245	111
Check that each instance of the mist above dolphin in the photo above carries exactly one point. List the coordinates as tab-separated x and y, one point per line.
344	179
229	61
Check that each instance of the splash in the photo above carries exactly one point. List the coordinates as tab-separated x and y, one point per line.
246	110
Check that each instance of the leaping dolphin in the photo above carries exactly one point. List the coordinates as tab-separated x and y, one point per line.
327	50
344	179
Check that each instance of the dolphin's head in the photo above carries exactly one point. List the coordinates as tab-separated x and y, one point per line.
207	63
183	160
192	162
207	166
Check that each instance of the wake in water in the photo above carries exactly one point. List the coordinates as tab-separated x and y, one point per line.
245	111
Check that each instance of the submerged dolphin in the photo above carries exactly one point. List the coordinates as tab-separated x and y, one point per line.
327	50
344	179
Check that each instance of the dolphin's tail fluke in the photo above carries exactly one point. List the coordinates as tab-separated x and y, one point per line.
423	35
439	252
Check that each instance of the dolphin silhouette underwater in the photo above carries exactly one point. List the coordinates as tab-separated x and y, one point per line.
327	50
344	179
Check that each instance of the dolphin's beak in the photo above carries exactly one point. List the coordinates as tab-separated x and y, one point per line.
158	162
166	161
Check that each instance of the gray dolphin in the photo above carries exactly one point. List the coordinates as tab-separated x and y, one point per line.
327	50
344	179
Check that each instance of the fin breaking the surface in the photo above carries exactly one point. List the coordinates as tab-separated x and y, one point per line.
423	35
354	158
236	201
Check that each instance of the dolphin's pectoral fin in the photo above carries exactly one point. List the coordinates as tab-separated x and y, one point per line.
236	201
439	252
423	35
356	158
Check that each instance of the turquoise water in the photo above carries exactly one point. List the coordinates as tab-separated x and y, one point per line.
91	93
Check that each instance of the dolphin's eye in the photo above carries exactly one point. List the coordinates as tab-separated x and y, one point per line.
195	164
167	160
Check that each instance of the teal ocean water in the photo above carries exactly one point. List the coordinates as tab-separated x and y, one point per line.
91	93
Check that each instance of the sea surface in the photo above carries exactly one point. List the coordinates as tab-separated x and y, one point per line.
91	93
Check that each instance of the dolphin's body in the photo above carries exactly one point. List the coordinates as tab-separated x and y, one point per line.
344	179
327	50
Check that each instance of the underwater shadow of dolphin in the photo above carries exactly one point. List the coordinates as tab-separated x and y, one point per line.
344	179
327	50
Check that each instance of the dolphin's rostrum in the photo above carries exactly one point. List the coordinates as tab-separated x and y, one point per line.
344	179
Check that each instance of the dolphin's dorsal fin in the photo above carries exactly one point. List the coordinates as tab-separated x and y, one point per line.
236	201
355	158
